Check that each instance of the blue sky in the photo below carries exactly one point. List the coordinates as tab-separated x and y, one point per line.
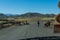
23	6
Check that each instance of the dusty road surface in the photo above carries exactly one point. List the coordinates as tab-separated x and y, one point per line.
26	31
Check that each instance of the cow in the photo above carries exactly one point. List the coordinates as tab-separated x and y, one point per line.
47	24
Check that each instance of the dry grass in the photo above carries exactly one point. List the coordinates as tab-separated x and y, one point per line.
33	19
48	19
2	21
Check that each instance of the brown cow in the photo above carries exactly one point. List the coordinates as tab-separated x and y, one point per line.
47	24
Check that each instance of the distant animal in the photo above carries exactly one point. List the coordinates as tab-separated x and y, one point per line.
47	24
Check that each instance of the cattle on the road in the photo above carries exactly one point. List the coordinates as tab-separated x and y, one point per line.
47	24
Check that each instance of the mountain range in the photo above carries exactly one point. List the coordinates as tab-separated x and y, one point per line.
29	15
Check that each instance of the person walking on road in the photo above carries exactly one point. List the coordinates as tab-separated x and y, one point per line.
38	23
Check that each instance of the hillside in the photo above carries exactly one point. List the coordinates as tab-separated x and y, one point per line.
29	15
